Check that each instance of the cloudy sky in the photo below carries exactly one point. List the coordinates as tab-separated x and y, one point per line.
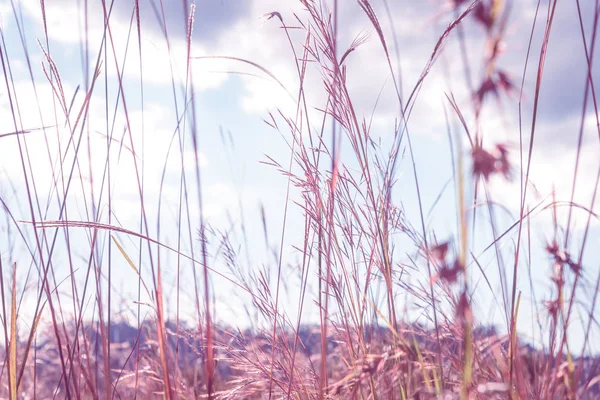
232	101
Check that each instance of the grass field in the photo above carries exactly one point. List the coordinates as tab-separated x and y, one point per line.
299	199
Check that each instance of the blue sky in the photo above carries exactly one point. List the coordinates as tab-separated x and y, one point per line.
235	104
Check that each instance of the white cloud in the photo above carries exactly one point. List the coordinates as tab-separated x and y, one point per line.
552	166
44	148
5	14
66	26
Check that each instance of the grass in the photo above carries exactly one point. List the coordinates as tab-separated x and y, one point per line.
378	304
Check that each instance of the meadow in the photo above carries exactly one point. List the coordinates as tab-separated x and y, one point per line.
300	199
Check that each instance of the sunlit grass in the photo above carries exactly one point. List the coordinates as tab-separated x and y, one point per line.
395	302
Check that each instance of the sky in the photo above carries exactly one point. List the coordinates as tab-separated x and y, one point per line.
233	99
